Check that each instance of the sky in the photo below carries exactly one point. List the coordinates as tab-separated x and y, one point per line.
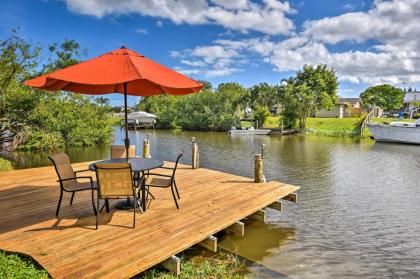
367	42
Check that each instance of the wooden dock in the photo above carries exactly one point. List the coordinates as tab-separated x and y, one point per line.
70	247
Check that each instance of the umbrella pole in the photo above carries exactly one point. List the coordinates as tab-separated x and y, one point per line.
126	140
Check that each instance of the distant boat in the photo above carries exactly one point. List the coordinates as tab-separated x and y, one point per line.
401	132
249	131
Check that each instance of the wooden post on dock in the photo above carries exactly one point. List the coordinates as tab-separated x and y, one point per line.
258	169
146	147
195	155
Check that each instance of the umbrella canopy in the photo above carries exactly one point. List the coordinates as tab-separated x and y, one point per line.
109	72
119	71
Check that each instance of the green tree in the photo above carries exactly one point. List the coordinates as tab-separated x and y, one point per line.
35	119
102	101
263	94
313	88
384	96
261	113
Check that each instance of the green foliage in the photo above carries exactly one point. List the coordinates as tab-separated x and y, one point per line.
263	95
384	96
315	87
34	119
15	267
5	165
261	113
206	110
273	122
223	266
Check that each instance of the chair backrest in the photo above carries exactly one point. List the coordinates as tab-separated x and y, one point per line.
114	180
176	165
62	165
118	151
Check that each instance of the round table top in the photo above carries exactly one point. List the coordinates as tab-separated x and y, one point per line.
137	163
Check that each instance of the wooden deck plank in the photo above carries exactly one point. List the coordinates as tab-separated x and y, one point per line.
70	247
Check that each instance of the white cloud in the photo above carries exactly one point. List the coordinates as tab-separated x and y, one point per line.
393	26
196	63
243	15
212	53
141	31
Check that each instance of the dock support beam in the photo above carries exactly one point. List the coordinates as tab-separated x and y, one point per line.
210	243
291	197
260	215
277	205
237	228
173	264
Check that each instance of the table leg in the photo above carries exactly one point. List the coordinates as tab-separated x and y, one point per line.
143	193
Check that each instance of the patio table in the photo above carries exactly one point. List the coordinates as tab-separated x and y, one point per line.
138	165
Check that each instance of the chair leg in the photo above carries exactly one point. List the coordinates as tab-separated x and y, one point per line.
134	211
176	189
72	197
59	203
97	212
173	194
93	202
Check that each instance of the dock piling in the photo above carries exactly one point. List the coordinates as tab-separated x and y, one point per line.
258	169
195	155
146	147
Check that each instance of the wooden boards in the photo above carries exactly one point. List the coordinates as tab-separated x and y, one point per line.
70	247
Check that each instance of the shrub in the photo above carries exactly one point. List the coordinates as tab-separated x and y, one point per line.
5	165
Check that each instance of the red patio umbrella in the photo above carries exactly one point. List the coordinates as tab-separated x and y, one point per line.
119	71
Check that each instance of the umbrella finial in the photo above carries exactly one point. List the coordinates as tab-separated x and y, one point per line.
123	47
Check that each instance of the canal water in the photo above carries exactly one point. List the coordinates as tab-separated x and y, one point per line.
359	205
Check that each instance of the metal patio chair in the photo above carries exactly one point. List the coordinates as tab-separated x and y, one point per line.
115	181
118	151
69	181
165	180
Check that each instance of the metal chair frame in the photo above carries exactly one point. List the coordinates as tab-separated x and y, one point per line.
73	192
134	188
172	182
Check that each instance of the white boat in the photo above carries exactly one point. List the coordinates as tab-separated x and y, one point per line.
249	131
402	132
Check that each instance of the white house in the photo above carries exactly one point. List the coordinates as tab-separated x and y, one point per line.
345	107
410	98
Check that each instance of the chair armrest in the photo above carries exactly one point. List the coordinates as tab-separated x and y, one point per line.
159	174
87	177
67	179
81	171
166	168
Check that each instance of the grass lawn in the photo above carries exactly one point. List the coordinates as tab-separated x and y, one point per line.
324	126
336	127
16	267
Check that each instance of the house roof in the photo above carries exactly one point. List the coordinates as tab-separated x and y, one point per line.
348	101
412	97
141	114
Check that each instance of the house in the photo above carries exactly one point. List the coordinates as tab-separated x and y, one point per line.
345	107
141	119
410	100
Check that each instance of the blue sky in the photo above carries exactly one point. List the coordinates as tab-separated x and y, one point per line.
247	41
